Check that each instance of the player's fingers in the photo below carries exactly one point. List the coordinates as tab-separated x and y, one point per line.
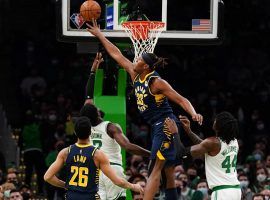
89	25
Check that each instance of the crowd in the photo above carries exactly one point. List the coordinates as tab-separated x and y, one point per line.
51	78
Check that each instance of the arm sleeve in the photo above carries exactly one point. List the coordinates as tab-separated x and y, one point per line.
89	89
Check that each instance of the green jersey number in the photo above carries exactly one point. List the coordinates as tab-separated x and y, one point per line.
97	143
228	165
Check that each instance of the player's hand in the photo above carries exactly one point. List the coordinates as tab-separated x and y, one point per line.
98	59
171	125
94	28
185	123
137	188
198	118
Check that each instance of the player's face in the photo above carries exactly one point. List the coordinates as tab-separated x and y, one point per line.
140	65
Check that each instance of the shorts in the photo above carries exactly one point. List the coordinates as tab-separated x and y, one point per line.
163	144
225	194
72	195
107	189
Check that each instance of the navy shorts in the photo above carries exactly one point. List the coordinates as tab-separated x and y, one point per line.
72	195
163	144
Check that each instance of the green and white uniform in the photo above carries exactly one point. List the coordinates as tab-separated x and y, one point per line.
221	172
99	138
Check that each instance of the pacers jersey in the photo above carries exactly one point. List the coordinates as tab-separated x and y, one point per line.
82	173
104	142
221	169
151	106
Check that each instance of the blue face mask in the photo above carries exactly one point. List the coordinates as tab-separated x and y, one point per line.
258	156
244	184
204	191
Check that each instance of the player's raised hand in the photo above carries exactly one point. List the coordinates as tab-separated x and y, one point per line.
137	188
171	125
198	118
94	28
185	123
98	59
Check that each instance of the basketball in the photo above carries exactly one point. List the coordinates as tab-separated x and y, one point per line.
90	9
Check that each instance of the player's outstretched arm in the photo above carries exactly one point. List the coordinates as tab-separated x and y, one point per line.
186	125
114	52
115	131
160	86
102	161
50	175
89	89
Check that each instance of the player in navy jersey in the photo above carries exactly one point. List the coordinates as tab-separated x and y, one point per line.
83	163
151	93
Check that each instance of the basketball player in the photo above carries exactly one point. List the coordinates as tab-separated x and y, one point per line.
109	138
83	163
220	155
152	92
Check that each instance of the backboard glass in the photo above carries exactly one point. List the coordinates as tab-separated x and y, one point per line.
186	20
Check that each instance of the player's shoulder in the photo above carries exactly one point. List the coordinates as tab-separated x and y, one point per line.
212	142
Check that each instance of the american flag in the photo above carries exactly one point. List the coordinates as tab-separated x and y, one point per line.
201	25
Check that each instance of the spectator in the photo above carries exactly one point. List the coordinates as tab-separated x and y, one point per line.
266	194
12	178
15	195
186	191
244	183
32	79
33	155
203	187
258	197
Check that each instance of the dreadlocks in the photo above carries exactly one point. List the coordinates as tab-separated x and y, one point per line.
226	127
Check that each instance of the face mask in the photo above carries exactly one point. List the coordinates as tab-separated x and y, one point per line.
261	177
178	190
204	191
258	156
260	126
246	170
244	184
184	184
7	193
52	117
192	177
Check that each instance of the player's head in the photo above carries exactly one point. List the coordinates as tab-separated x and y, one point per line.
90	111
82	128
149	62
226	127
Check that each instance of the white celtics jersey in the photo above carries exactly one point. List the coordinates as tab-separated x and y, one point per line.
104	142
221	169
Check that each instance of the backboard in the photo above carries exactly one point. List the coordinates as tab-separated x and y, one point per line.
187	21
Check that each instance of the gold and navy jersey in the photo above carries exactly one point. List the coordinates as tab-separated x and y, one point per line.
82	173
151	106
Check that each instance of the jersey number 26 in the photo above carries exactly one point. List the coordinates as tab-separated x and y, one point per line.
79	177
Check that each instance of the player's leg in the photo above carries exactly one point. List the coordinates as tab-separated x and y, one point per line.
170	191
153	180
113	191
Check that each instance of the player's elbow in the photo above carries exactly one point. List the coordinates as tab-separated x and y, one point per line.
127	146
46	177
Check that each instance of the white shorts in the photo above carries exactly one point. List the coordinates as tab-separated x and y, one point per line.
107	190
225	194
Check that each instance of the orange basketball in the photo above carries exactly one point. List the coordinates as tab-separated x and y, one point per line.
90	9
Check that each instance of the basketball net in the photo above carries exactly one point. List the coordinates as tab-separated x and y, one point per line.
144	35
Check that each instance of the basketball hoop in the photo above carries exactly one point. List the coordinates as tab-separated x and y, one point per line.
144	35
